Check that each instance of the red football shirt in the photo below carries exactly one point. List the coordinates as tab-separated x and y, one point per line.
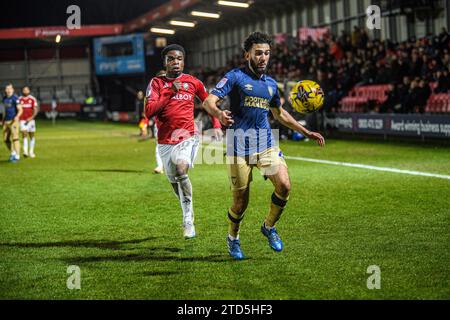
29	103
174	111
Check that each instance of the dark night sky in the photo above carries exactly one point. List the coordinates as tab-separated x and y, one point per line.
31	13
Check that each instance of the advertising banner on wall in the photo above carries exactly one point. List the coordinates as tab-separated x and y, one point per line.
119	55
412	125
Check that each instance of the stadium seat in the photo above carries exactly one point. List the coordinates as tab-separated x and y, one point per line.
438	103
360	96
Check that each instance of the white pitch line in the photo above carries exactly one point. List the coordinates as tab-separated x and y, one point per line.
361	166
364	166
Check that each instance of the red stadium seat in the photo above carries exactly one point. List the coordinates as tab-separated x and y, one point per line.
361	95
438	103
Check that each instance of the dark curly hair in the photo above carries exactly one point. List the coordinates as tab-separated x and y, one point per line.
171	47
256	37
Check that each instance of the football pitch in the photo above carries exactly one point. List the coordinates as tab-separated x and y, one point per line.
90	200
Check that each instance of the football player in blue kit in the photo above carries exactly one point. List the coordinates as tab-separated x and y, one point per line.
10	124
250	140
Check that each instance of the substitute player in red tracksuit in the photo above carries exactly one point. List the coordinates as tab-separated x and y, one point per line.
170	98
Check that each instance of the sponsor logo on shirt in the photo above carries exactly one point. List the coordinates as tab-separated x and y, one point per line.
221	83
183	96
256	102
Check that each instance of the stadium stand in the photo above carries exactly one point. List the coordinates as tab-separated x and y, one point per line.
357	73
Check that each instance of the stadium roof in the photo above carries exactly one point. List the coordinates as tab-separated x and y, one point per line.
41	19
38	13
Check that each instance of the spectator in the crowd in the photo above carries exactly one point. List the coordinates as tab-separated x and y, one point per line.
383	74
412	98
423	93
404	90
444	39
355	36
443	81
392	101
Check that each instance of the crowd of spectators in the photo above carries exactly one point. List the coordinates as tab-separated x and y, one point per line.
415	68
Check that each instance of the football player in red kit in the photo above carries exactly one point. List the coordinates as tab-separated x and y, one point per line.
170	98
27	122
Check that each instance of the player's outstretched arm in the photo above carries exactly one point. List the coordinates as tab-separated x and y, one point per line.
210	105
287	120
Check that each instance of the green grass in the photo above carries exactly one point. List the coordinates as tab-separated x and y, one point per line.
90	199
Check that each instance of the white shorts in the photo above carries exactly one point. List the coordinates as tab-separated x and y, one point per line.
29	126
171	154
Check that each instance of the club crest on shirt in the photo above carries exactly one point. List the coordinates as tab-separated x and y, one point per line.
185	86
221	83
248	87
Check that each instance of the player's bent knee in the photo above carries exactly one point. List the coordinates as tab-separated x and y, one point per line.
284	188
182	169
239	208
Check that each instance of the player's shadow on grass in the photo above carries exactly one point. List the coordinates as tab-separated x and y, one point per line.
160	273
101	244
151	254
134	257
114	170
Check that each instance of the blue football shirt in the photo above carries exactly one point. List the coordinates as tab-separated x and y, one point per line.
10	104
250	99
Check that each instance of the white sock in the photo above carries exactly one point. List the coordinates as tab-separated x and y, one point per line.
25	145
233	238
185	194
267	228
32	144
159	163
13	153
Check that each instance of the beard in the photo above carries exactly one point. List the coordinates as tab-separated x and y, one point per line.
259	70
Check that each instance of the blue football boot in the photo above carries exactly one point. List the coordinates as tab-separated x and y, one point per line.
234	249
274	239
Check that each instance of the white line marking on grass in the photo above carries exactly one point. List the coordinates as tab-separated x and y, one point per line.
364	166
361	166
